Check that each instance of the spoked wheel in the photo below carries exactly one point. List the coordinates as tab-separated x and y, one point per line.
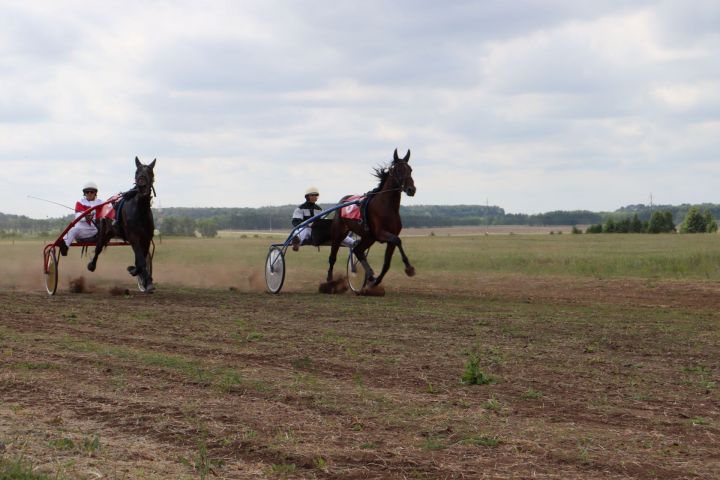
356	272
51	271
275	270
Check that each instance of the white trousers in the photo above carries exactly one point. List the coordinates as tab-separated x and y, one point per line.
306	233
81	230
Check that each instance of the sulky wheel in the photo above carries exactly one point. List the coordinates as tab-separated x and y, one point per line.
51	271
356	272
275	270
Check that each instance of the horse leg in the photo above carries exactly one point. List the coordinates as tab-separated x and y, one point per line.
392	242
409	269
359	252
389	250
149	287
331	260
103	237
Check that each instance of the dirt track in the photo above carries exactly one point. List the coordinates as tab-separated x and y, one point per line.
621	384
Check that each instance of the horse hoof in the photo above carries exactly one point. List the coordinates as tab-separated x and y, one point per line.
91	266
410	271
150	288
132	270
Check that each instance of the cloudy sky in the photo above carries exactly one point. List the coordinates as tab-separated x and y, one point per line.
529	105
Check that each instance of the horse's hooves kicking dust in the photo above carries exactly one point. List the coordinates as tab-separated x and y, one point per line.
339	285
375	291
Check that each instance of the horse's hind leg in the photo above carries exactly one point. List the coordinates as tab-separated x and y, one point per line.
103	237
331	260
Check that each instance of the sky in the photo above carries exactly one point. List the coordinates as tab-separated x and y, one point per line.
532	106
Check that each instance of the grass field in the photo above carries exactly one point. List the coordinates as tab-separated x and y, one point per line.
507	356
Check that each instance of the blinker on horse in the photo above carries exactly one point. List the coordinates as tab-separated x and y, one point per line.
383	222
134	223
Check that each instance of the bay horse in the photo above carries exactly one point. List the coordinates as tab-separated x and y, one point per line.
134	223
382	217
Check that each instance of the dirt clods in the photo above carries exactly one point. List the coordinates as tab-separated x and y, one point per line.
119	291
373	291
339	285
257	281
77	285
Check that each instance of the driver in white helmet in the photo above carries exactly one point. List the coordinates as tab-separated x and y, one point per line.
303	212
307	210
85	228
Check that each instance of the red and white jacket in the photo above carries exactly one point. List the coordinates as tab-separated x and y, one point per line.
84	204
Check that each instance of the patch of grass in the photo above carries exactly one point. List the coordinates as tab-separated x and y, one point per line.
62	444
531	394
320	463
473	375
303	363
433	443
254	336
91	445
34	366
18	469
699	421
492	404
481	441
227	380
282	469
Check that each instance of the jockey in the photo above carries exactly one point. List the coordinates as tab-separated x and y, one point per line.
84	228
303	212
307	210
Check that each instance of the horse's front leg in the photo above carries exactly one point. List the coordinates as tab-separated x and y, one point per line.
392	242
389	250
140	267
103	237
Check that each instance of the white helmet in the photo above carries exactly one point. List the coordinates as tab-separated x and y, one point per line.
312	191
90	186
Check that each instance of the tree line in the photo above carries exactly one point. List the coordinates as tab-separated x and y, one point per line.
661	221
207	221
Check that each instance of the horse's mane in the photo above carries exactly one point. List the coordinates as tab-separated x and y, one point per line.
381	173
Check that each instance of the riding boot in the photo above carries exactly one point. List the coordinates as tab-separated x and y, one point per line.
63	248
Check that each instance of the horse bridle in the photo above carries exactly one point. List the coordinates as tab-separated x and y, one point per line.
401	183
146	175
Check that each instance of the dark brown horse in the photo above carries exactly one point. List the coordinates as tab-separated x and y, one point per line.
383	223
134	223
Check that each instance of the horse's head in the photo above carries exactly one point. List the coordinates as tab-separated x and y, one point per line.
144	177
401	171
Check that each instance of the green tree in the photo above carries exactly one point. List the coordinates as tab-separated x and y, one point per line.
636	225
711	225
609	226
698	222
694	222
208	228
661	222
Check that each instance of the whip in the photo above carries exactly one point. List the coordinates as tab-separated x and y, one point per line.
50	201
